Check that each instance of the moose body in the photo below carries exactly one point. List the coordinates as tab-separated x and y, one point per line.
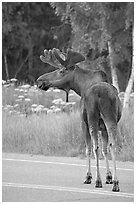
100	106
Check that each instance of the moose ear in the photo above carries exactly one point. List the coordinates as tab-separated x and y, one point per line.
73	58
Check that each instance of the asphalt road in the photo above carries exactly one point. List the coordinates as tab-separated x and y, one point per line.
42	179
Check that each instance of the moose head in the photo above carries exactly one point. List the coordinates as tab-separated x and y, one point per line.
65	64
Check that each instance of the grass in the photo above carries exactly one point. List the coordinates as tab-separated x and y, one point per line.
10	96
49	135
55	134
126	127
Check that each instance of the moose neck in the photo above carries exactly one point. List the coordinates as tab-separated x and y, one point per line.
84	79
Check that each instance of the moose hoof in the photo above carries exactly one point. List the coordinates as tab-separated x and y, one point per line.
88	180
115	186
109	178
98	184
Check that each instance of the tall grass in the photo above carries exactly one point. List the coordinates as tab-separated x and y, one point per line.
126	127
10	95
49	135
58	135
55	134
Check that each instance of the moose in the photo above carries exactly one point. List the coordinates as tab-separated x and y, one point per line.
100	106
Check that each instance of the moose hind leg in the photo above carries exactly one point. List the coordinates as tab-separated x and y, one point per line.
93	128
98	182
115	180
104	135
113	132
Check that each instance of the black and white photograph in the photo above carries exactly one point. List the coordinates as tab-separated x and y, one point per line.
67	101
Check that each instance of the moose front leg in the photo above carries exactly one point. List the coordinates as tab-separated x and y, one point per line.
113	132
87	136
88	178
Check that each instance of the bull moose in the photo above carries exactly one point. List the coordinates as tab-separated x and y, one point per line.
100	106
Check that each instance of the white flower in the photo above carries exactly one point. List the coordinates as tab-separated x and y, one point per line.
63	103
3	82
13	80
40	106
7	85
49	111
38	109
18	100
33	89
52	107
70	103
21	97
34	105
48	91
9	106
26	86
27	99
21	115
73	103
16	89
132	95
18	113
57	110
71	94
56	90
45	109
21	90
57	101
16	105
14	111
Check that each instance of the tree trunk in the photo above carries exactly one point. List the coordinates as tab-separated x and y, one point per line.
129	89
6	66
131	79
30	63
30	60
20	67
113	68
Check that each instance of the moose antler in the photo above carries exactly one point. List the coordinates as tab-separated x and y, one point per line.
58	59
60	56
72	58
49	58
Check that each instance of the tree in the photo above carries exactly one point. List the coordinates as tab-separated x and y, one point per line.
99	26
130	24
27	31
118	39
7	28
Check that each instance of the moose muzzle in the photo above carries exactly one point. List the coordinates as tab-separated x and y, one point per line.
43	84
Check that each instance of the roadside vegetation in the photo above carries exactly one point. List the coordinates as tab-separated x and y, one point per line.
38	122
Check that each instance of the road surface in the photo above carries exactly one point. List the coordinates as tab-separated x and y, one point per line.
28	178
